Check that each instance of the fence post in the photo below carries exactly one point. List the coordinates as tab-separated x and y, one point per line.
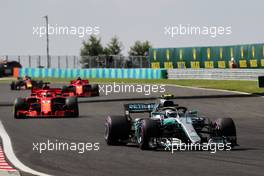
90	61
39	61
18	59
74	64
59	62
50	63
149	63
29	61
115	63
67	64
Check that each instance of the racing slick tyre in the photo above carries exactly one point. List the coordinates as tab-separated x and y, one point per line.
19	104
149	129
71	89
87	88
225	127
13	85
64	89
72	104
57	104
95	89
34	84
39	84
116	130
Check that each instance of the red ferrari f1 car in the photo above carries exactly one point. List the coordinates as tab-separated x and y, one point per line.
46	102
81	88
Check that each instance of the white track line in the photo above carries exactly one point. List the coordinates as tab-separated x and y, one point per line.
194	88
208	89
8	149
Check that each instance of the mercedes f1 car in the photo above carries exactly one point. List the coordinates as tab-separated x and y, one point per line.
81	88
25	83
46	102
167	121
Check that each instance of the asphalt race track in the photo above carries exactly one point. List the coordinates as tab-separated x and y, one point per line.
247	159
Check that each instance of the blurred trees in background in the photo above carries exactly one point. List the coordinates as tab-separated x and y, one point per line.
104	55
139	48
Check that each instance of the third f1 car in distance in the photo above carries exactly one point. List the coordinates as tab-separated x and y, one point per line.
167	121
81	88
25	83
46	102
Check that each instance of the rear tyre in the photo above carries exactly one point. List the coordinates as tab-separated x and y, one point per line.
13	85
19	84
116	130
225	127
87	88
72	104
71	89
95	89
19	104
34	84
40	84
149	129
64	89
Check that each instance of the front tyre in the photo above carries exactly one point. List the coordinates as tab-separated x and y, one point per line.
149	129
72	104
19	104
116	130
225	127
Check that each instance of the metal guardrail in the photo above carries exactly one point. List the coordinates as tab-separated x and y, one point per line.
216	74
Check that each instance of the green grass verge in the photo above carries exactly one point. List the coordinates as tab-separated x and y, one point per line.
234	85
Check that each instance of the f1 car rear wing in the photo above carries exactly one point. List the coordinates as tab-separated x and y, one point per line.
84	81
139	107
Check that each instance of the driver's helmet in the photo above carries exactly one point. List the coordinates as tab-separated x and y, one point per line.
49	94
25	77
79	80
161	100
46	94
165	103
170	113
46	86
